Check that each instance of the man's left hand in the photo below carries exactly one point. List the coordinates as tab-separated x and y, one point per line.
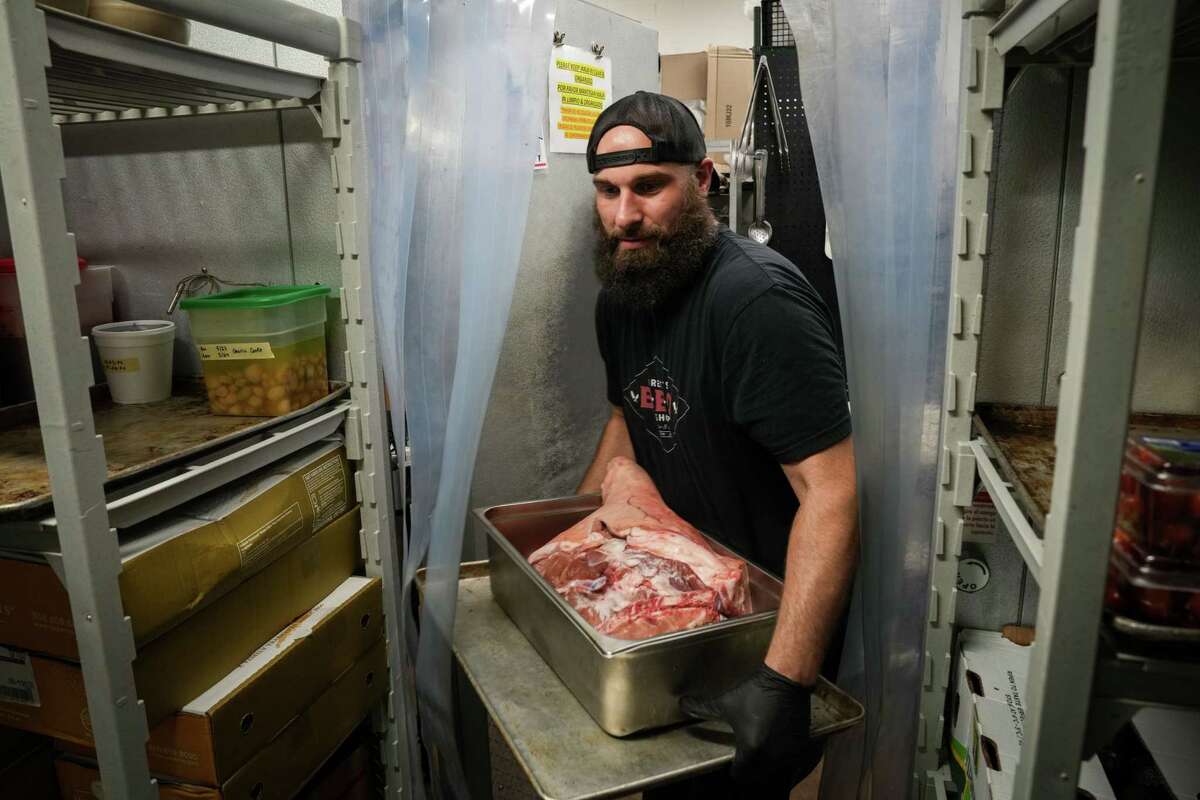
770	717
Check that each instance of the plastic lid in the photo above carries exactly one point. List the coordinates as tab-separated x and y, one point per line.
1150	571
8	266
1169	456
256	297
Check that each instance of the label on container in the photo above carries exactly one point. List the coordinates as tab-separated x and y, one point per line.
16	679
235	351
121	364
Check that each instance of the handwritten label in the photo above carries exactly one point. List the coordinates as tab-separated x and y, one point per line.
235	351
121	364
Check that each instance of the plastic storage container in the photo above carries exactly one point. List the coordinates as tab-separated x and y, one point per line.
93	295
262	349
1159	506
1136	589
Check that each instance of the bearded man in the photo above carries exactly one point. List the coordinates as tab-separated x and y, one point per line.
727	387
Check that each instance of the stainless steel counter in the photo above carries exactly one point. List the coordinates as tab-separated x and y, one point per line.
565	755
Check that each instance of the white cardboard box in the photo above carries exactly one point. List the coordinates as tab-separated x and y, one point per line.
989	707
1173	738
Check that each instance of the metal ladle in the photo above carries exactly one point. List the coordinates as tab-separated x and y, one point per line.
760	230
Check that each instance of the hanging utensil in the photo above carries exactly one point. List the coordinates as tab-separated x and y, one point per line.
760	230
785	159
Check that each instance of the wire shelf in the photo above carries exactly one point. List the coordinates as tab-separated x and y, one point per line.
101	73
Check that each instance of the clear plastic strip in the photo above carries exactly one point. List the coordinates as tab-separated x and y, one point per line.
880	97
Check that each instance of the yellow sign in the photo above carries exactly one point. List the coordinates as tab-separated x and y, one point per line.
576	66
580	88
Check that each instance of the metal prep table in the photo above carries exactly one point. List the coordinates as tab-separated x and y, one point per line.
563	752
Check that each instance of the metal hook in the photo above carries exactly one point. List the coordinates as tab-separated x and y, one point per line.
598	49
559	38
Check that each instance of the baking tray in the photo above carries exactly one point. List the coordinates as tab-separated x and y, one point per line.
141	442
629	686
1022	440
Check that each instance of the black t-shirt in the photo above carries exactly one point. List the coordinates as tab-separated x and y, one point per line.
724	383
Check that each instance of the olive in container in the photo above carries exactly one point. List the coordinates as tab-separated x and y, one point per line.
262	349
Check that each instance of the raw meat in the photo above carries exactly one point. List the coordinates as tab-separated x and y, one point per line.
634	569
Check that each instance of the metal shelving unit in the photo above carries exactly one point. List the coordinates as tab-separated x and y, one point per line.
58	69
1082	686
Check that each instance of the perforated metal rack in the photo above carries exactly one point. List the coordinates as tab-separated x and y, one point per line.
793	199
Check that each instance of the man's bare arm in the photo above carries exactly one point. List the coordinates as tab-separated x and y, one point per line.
821	557
614	441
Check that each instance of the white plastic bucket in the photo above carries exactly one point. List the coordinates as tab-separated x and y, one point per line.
137	358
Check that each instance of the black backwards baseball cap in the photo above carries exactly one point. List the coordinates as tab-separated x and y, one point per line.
673	132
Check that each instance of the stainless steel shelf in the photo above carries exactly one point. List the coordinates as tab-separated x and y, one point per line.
141	502
1028	543
101	73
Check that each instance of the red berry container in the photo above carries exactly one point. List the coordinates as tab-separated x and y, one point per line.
1138	590
1159	505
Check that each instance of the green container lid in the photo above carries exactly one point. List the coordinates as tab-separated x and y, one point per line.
255	297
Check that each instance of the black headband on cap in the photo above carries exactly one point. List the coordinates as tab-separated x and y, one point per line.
673	132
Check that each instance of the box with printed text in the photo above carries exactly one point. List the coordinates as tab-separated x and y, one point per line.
175	564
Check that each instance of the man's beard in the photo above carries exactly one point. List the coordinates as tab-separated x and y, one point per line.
645	277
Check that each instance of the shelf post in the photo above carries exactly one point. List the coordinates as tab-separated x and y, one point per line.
32	168
343	122
1122	129
980	93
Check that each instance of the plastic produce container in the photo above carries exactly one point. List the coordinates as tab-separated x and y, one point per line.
1159	506
1137	589
93	295
262	348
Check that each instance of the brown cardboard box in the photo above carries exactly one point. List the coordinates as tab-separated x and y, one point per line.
281	767
722	77
220	730
346	774
175	564
26	766
183	663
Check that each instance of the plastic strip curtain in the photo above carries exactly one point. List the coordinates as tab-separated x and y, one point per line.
879	81
456	92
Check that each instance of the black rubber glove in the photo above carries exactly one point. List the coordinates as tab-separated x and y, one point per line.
770	718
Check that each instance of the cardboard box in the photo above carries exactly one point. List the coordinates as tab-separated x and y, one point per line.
26	766
175	564
722	77
346	775
283	766
1171	736
220	730
988	711
180	665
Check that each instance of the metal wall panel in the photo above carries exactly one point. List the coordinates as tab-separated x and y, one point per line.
1168	371
1020	270
160	199
548	401
1040	173
230	43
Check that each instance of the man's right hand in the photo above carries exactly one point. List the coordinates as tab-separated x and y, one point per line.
770	716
